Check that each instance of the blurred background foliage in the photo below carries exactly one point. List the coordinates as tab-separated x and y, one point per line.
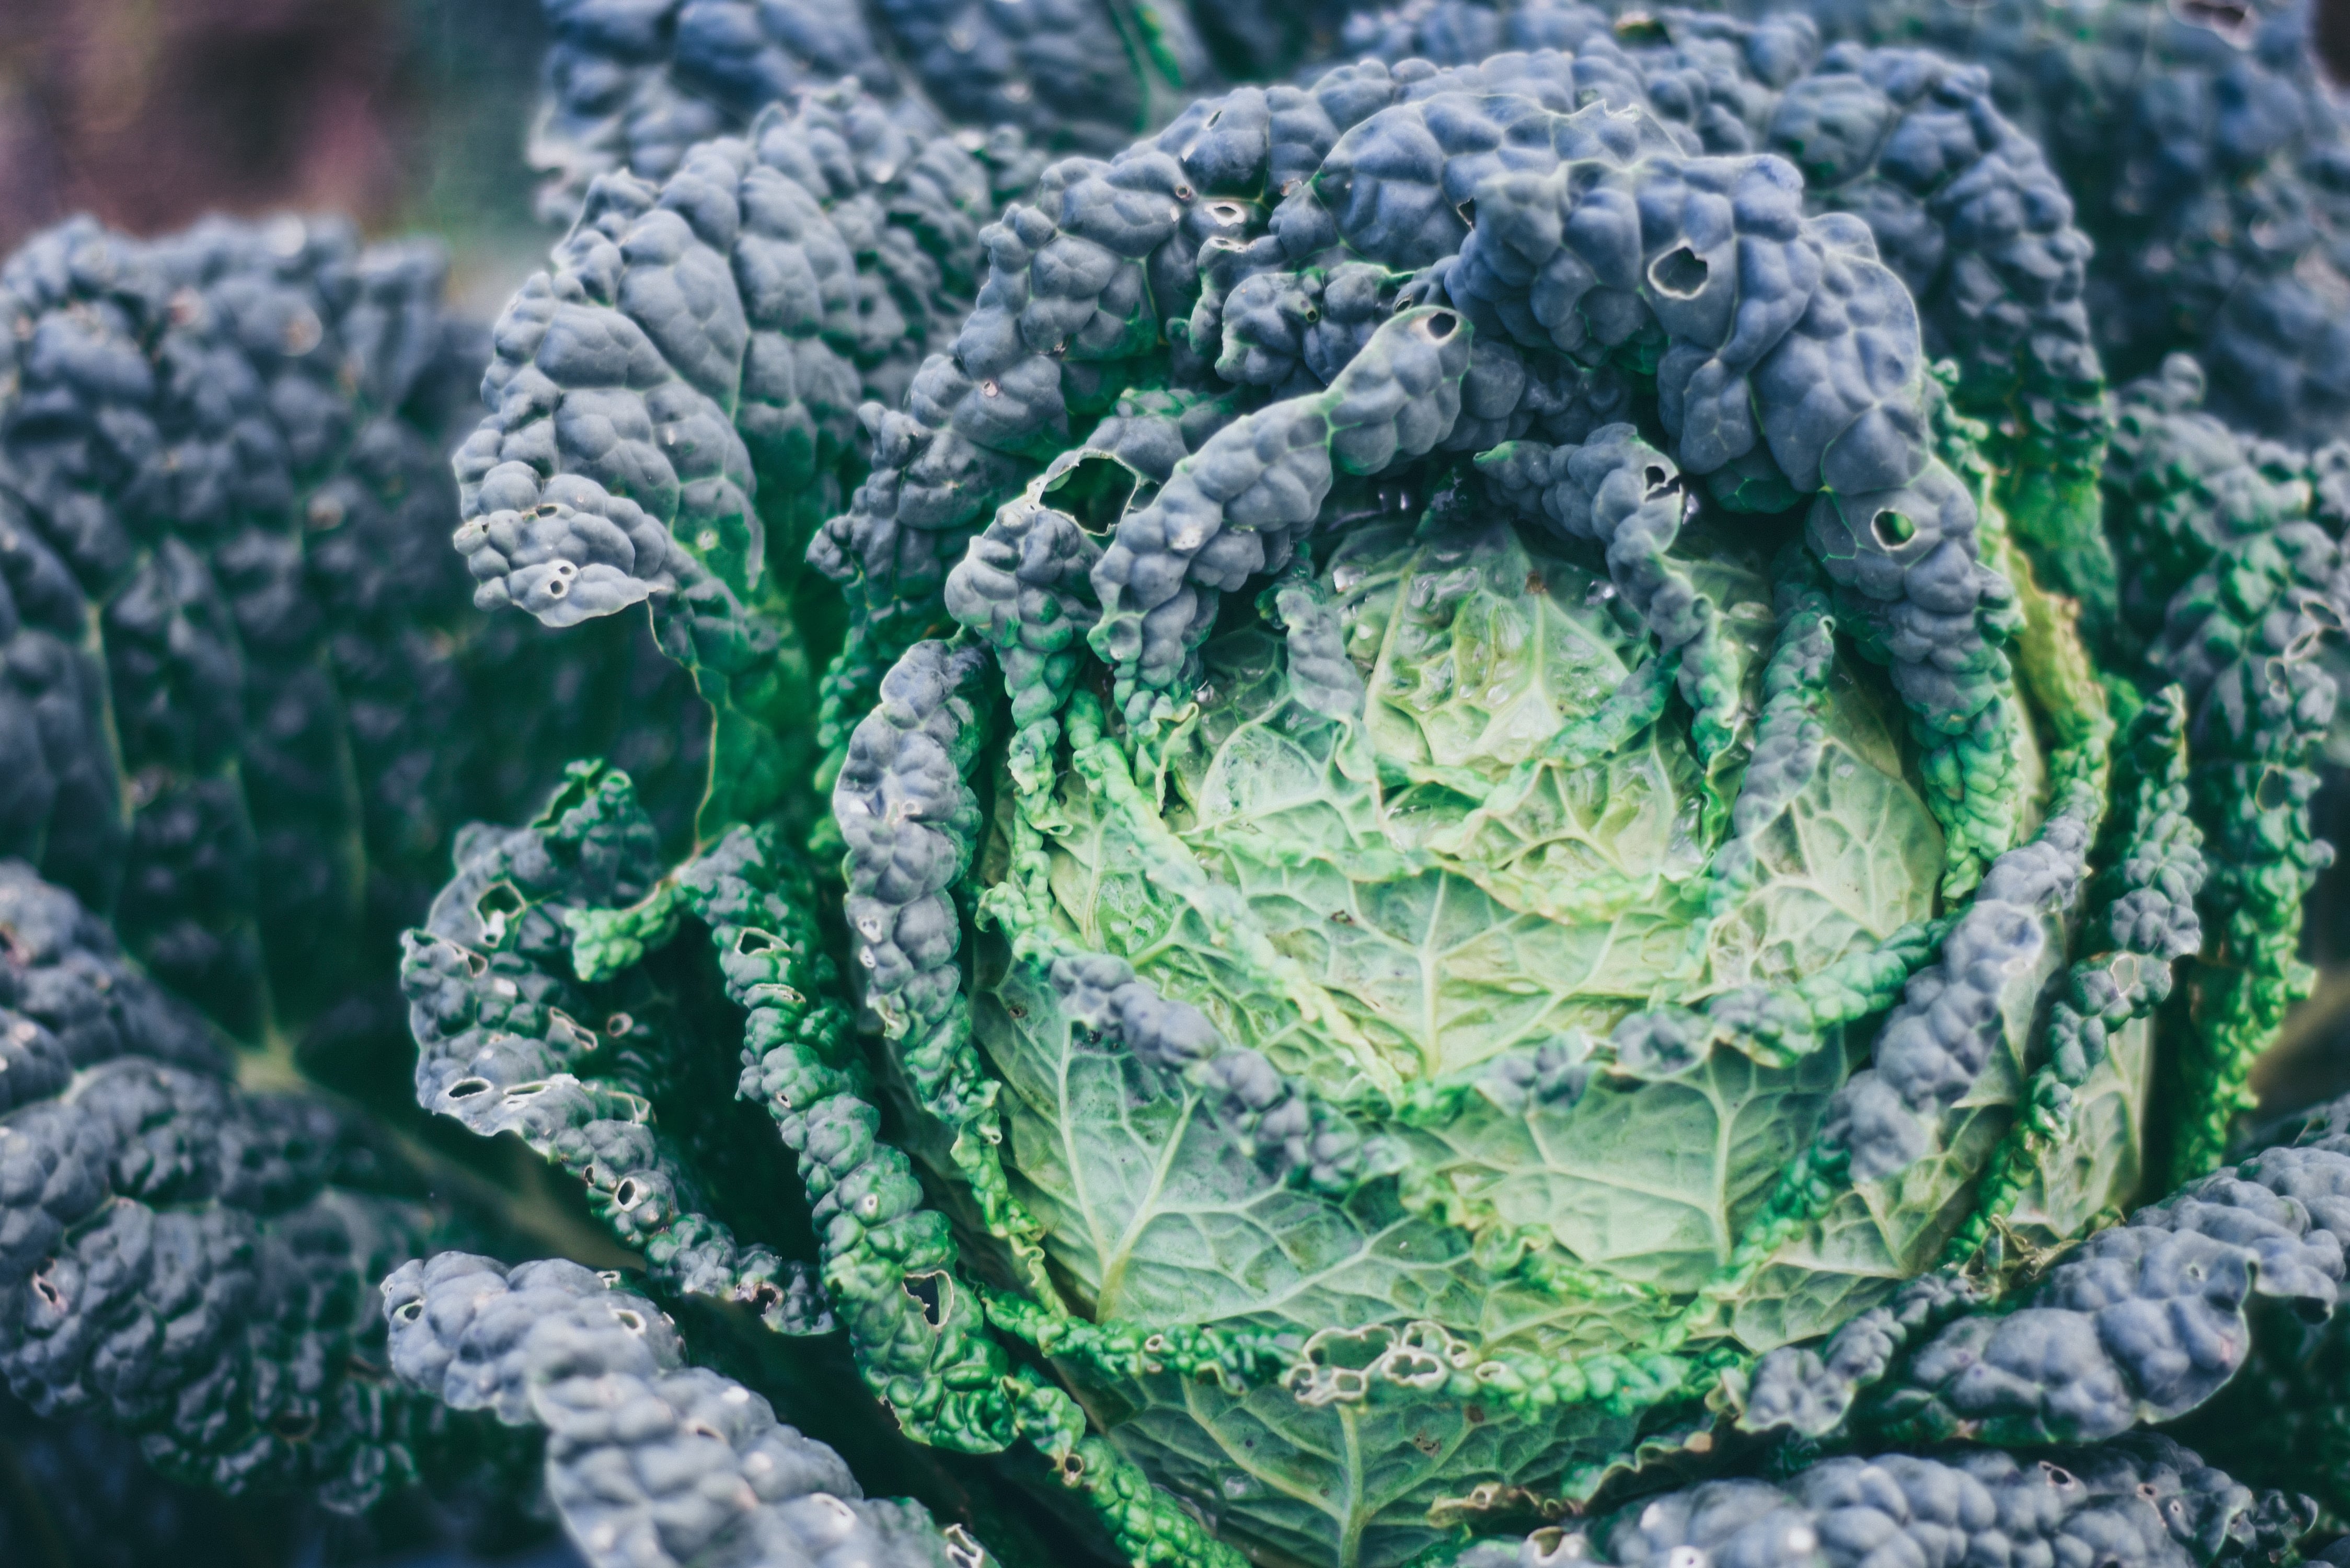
409	114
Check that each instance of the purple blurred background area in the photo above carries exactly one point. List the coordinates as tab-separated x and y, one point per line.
406	114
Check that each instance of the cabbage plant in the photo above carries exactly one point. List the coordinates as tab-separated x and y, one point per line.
1492	795
1488	810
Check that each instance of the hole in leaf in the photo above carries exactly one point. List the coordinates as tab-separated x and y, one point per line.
466	1088
751	943
765	1297
934	1292
625	1195
1893	529
497	904
962	1552
1442	325
1095	491
633	1321
408	1312
618	1024
2231	19
2058	1476
1467	208
1678	274
294	1426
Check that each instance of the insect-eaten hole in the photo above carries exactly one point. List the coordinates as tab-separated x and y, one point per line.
765	1297
1678	274
934	1294
1893	529
633	1321
1441	326
2274	791
750	944
408	1312
498	903
294	1426
1659	482
1095	491
963	1550
2058	1476
466	1088
2231	19
1467	208
45	1288
618	1024
626	1193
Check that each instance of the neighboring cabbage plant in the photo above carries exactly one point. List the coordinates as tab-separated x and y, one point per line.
632	84
1473	815
2210	154
246	707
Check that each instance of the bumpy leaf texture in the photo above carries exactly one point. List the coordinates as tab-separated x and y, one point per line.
180	1257
246	707
649	1461
2207	151
2136	1501
676	402
632	84
1515	734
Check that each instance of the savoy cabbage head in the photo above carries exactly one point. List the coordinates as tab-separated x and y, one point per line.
1500	757
1537	799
